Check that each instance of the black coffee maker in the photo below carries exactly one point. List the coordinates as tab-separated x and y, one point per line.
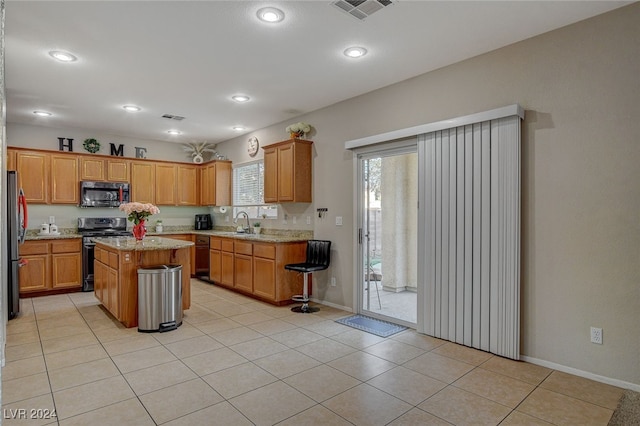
203	222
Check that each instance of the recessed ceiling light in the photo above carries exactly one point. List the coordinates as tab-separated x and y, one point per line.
270	15
355	52
174	132
62	56
42	113
131	108
240	98
238	128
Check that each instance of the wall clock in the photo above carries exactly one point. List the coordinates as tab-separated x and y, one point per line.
252	146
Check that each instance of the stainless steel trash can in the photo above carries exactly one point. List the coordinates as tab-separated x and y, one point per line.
159	298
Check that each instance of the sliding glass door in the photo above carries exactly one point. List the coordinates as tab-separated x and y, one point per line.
387	237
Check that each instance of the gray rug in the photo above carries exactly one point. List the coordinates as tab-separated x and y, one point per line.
371	325
628	411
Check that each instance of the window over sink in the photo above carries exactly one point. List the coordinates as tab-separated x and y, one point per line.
248	191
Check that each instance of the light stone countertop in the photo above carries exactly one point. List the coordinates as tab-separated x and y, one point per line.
282	236
149	243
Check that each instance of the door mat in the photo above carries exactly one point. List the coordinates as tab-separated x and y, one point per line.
371	325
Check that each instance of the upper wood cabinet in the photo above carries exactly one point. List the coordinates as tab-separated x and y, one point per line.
64	179
117	170
165	184
48	178
187	187
100	169
92	169
11	159
287	171
33	175
52	177
143	179
215	184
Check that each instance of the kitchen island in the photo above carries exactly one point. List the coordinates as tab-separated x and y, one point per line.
116	266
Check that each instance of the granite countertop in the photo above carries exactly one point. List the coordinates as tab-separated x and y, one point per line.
150	243
270	236
59	236
266	238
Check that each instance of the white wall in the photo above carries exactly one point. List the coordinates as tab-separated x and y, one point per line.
581	192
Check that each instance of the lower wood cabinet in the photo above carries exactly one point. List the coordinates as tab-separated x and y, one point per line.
257	268
243	266
264	269
52	266
106	281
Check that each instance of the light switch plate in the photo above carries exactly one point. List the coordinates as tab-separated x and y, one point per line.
338	220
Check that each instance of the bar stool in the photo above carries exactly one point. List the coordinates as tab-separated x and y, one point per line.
318	259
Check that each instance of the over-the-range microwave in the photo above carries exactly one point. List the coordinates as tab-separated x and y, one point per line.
103	194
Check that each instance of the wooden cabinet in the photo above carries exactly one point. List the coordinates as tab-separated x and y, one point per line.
165	184
264	270
143	178
221	261
11	159
226	263
101	169
243	266
33	175
92	169
64	179
215	184
35	275
52	177
187	187
287	171
117	170
106	282
48	178
51	265
116	277
66	263
256	268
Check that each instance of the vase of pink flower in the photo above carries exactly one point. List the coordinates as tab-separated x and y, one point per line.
138	214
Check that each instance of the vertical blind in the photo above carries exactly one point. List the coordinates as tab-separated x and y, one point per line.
470	235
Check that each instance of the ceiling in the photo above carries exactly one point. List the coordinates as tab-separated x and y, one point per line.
188	58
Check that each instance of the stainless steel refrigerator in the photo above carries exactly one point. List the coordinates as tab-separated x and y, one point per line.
16	230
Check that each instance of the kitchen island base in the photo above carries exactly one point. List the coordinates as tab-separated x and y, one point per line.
116	272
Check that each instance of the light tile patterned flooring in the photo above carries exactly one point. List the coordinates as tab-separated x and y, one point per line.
237	361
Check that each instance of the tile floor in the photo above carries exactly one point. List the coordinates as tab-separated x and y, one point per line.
237	361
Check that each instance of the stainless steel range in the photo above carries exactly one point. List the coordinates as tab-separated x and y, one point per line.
90	227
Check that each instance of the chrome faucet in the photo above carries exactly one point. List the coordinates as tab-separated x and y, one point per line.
246	215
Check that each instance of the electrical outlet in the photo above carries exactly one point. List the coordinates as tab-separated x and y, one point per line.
338	220
294	220
52	219
596	335
333	281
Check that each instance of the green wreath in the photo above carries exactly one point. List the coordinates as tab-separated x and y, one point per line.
91	145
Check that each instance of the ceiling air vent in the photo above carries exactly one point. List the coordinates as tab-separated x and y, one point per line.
173	117
360	9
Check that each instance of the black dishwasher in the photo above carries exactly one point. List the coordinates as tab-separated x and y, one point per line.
202	256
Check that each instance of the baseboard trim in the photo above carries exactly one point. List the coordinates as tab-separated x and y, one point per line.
581	373
333	305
